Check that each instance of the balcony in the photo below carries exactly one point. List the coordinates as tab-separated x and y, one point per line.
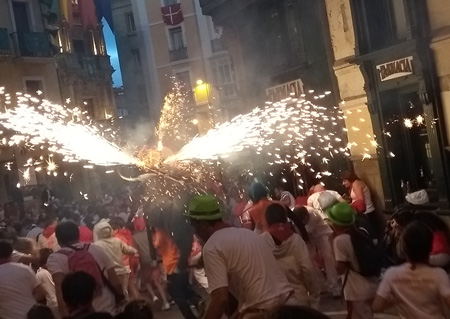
217	46
5	48
178	54
32	44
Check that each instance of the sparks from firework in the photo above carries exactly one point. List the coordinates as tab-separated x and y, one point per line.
175	125
290	132
61	129
26	175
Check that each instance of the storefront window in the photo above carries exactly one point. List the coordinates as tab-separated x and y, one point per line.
406	142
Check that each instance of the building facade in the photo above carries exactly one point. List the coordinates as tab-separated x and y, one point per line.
54	49
275	44
168	39
131	99
392	70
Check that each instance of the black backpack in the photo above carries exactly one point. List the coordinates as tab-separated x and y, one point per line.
367	251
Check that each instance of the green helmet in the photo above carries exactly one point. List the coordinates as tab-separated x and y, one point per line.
341	214
204	207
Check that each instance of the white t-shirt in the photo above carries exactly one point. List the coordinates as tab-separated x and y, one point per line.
17	283
241	260
316	226
58	263
357	287
416	292
44	278
313	201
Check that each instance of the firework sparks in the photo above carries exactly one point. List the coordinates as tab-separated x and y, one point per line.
62	130
287	132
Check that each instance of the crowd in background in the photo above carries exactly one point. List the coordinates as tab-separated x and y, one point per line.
253	256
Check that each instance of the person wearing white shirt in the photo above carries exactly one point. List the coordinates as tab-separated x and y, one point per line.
292	255
319	243
68	237
415	287
237	262
314	202
19	289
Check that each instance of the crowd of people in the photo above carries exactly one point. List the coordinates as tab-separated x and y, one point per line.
252	256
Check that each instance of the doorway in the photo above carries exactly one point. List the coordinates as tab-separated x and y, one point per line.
406	143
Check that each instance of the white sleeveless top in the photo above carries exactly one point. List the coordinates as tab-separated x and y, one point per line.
367	199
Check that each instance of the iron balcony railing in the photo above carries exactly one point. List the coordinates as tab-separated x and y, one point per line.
5	48
178	54
31	44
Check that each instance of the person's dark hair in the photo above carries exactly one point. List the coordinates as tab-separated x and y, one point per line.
44	254
416	242
67	233
78	289
6	249
403	217
257	191
349	176
295	312
301	212
39	311
117	223
276	214
137	309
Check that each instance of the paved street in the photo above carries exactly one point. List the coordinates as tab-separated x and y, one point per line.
335	308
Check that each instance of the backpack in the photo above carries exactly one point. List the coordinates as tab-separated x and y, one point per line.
368	253
80	259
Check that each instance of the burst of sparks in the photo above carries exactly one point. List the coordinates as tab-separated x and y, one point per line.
288	132
420	119
408	123
51	165
60	129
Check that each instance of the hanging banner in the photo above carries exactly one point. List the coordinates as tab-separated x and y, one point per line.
66	11
172	15
88	15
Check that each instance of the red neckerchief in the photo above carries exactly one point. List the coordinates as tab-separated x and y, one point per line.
281	231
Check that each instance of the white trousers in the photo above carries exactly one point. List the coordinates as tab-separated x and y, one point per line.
322	246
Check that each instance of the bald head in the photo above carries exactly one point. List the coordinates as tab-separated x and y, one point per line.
319	188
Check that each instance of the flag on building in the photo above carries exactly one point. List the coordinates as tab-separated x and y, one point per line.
88	15
66	11
172	15
104	10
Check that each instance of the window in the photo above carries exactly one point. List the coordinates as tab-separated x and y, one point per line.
176	38
79	47
224	77
136	58
20	10
32	86
131	25
170	2
385	22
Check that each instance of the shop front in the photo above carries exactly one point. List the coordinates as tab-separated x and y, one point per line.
407	118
